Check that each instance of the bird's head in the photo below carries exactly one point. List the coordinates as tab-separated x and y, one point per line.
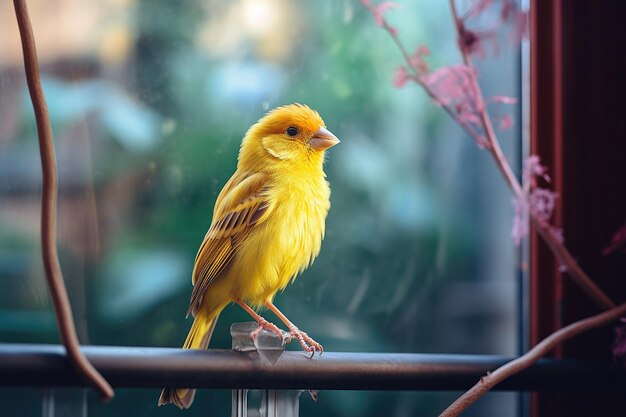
293	134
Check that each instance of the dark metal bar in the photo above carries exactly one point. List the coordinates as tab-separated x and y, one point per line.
47	365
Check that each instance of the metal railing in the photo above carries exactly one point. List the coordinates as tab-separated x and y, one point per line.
46	365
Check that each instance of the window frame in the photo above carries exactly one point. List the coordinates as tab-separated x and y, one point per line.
575	99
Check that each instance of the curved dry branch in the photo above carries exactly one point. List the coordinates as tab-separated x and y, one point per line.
58	292
542	348
492	145
561	253
544	229
576	273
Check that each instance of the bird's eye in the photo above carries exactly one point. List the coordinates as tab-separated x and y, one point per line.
292	131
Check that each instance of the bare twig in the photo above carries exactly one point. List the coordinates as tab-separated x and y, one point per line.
570	265
543	228
556	246
416	77
52	267
492	144
524	361
558	249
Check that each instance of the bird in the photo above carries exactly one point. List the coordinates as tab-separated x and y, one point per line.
267	227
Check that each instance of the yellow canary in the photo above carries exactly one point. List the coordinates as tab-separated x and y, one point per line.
268	225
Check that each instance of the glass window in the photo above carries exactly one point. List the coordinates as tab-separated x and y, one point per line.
149	102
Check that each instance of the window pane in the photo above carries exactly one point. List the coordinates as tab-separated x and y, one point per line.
149	101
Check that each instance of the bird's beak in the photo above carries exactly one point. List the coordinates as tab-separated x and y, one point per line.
322	139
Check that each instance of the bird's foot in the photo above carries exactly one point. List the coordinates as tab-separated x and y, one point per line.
271	327
307	343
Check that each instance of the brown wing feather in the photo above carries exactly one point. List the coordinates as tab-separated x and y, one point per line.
240	206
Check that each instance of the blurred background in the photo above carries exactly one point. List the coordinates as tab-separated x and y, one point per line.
149	102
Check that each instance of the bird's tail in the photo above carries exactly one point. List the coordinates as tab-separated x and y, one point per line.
198	338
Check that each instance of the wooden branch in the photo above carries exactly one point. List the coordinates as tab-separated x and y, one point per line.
544	229
564	257
542	348
58	292
560	252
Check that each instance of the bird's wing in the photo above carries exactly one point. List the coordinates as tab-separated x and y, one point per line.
241	205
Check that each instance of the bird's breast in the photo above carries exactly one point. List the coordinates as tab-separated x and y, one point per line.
304	207
287	242
298	227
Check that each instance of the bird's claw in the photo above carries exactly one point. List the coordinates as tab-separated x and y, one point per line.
307	343
271	327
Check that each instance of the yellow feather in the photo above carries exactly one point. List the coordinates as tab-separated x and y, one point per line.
268	221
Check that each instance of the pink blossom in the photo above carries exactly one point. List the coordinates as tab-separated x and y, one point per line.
472	41
541	202
508	9
502	99
378	11
617	243
401	76
482	141
381	9
455	87
466	114
532	170
505	122
619	344
510	12
418	61
557	232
